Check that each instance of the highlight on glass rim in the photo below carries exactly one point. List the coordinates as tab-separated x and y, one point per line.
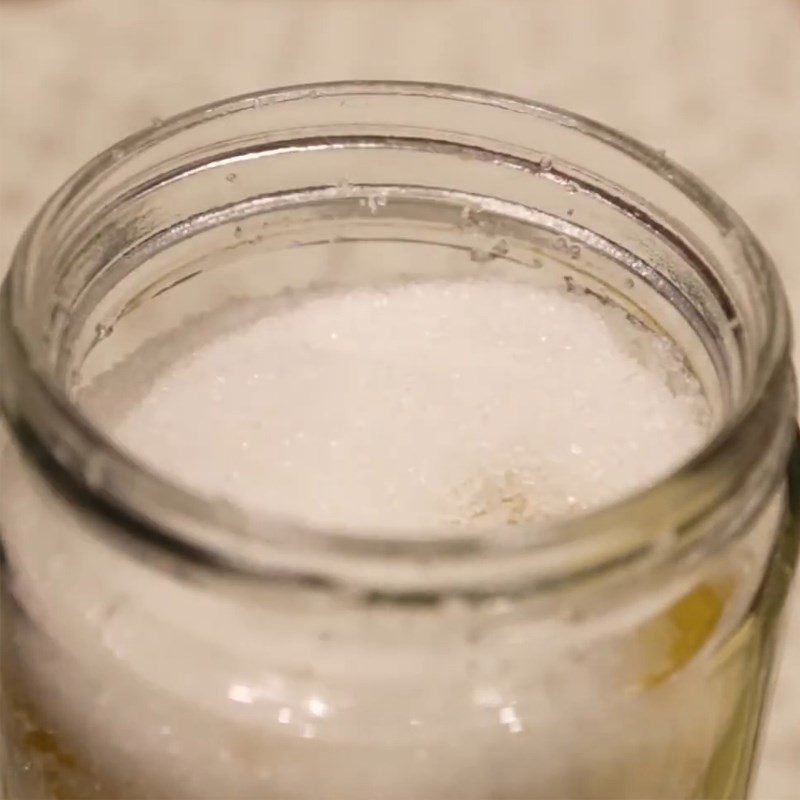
391	434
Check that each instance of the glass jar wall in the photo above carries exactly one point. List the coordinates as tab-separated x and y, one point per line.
159	643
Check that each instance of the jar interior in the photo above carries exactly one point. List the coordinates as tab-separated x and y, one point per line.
316	187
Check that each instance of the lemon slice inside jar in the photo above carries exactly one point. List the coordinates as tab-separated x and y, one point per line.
677	635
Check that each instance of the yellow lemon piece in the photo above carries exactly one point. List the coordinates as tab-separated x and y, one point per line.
677	635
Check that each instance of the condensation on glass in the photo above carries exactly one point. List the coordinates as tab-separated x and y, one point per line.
157	644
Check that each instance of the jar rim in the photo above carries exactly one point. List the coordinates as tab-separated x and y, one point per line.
166	520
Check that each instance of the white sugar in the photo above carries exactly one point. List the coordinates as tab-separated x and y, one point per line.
422	405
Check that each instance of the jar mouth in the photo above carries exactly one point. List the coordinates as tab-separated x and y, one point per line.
689	508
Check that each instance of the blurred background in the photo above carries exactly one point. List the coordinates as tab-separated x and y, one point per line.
715	83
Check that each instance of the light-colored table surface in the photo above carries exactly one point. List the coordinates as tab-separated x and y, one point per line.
714	82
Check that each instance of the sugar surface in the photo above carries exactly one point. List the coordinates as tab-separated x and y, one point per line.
472	402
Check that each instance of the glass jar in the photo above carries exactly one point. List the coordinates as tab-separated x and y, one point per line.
157	643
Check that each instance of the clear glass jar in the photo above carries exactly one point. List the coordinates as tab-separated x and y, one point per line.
161	644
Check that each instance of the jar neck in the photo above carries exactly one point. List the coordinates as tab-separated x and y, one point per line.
631	209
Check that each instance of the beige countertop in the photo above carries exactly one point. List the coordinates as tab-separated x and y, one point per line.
714	82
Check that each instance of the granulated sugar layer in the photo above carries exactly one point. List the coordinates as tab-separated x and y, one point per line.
421	405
